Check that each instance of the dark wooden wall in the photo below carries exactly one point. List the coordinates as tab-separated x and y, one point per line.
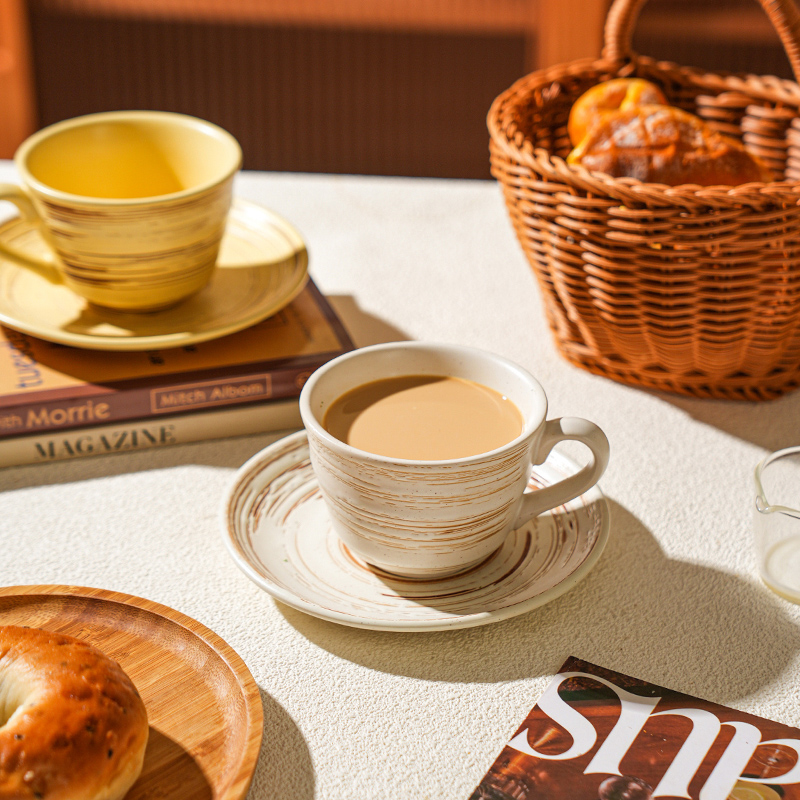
307	99
344	98
716	35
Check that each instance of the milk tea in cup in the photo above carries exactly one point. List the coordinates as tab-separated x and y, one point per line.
424	418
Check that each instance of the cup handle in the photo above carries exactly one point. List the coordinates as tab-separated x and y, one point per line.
46	268
558	430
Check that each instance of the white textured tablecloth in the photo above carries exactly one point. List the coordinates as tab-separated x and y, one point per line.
675	599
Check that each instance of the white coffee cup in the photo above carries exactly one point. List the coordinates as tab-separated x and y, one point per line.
434	518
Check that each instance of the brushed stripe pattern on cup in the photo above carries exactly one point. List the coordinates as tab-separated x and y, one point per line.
165	251
278	531
448	510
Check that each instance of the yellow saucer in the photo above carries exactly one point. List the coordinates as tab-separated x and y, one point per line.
263	266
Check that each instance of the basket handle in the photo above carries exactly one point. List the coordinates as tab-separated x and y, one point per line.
622	16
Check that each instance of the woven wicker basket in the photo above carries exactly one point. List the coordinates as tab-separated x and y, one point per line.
688	289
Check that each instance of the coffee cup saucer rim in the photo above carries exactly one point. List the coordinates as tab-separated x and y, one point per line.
273	551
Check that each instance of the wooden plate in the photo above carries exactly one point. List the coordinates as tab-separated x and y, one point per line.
203	705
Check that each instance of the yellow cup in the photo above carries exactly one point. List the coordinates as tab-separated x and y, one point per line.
132	203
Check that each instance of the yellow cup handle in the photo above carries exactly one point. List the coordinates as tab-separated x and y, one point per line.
45	267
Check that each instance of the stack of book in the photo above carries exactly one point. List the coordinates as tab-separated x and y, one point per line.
59	402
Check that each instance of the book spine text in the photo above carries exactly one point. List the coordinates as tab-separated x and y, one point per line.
150	402
149	433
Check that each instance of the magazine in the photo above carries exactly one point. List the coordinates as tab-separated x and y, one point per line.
600	735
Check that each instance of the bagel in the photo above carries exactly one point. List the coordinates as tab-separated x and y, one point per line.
72	725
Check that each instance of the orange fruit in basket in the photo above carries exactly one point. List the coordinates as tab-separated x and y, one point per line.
619	93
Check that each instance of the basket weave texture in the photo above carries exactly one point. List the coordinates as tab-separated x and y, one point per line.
687	289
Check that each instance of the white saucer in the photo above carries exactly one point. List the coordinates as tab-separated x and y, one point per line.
262	267
277	529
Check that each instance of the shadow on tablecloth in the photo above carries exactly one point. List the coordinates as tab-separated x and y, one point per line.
364	328
284	766
687	626
772	424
